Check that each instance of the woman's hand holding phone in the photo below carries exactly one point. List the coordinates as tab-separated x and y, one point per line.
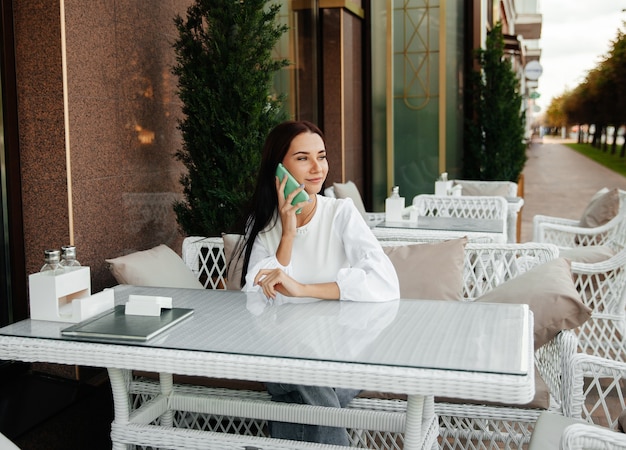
290	186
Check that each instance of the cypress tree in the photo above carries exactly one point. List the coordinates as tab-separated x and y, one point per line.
494	129
224	67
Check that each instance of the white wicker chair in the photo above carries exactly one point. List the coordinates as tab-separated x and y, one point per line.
585	437
602	287
465	425
486	266
206	259
507	189
567	233
491	208
469	206
593	391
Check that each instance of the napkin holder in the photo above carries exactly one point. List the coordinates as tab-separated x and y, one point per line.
66	297
146	305
443	187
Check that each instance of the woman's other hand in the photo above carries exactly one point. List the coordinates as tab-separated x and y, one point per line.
274	281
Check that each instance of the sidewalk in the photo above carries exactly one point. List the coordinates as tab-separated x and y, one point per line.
560	182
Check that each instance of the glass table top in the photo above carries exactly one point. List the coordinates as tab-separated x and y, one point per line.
448	335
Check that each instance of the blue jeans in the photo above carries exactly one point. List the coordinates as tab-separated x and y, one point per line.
310	395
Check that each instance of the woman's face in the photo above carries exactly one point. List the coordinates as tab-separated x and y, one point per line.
306	161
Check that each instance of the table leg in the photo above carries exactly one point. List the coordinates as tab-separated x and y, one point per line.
119	380
414	414
167	383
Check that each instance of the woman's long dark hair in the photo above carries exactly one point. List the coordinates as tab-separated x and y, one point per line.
264	201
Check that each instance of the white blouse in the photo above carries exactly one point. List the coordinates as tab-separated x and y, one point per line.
336	245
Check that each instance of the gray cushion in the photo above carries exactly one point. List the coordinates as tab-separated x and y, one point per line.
497	188
548	431
349	190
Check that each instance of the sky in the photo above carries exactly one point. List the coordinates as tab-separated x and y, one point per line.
575	35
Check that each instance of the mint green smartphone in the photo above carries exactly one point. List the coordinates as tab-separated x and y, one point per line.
291	186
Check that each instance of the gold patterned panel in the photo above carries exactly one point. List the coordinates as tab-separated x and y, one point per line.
417	51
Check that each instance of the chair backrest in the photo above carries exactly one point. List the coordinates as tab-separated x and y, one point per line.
492	208
471	207
206	259
592	389
602	287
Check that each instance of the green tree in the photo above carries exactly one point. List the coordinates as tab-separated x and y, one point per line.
224	68
494	126
555	116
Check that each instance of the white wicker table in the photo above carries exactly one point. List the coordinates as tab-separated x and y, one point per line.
419	348
428	227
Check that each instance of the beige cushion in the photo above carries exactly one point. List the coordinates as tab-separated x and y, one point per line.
349	190
603	206
588	254
159	266
549	291
489	188
233	275
430	271
548	431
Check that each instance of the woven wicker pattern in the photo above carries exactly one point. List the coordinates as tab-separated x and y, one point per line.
593	389
602	287
488	188
594	392
585	437
487	209
471	207
206	259
567	233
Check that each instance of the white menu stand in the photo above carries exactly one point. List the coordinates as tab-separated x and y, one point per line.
66	297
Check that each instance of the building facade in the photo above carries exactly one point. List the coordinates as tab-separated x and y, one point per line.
90	112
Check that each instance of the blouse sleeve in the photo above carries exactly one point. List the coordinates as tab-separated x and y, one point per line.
261	258
371	276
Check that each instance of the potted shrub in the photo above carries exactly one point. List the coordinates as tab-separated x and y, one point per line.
494	124
225	68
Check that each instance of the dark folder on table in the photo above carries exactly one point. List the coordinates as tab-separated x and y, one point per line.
115	324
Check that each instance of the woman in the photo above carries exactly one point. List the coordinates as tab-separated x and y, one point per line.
326	251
